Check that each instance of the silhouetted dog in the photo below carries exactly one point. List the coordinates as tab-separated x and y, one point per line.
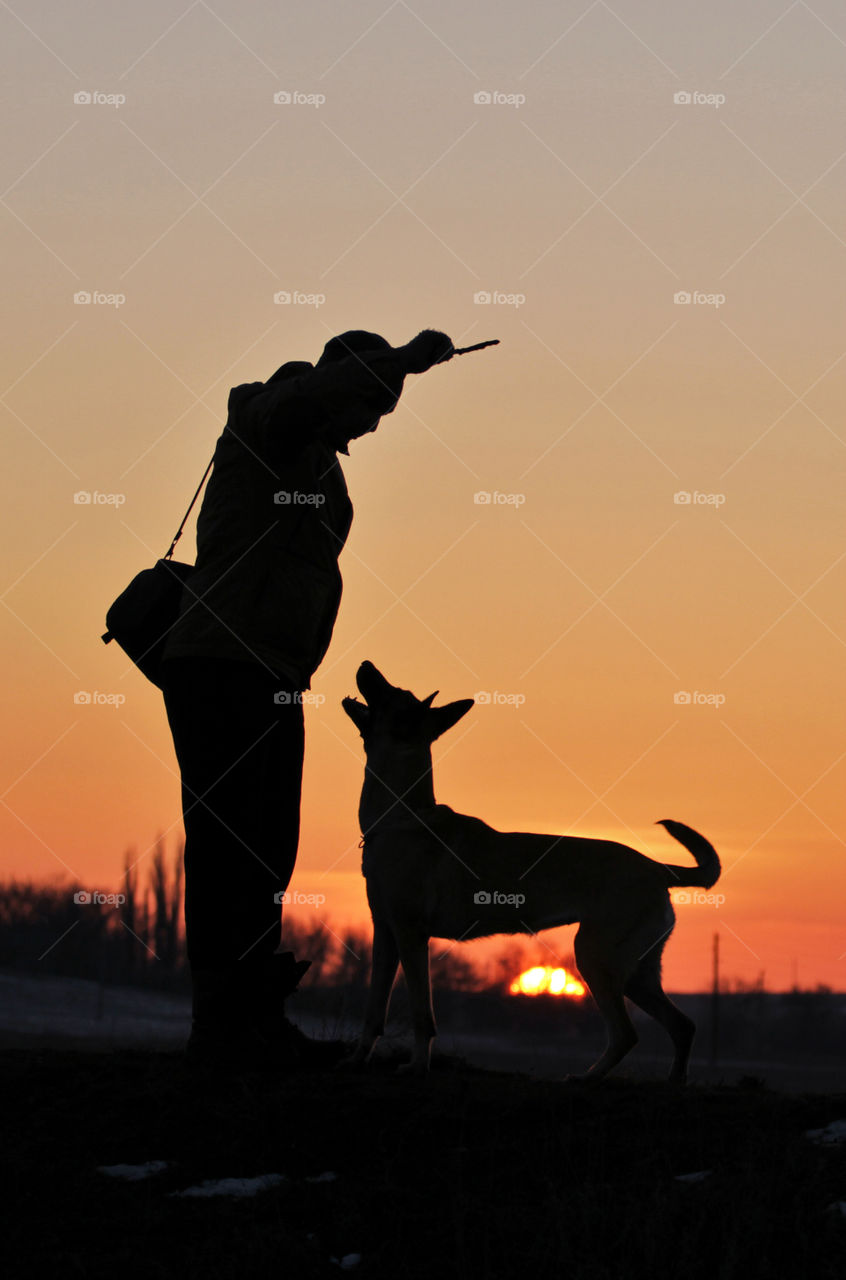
432	872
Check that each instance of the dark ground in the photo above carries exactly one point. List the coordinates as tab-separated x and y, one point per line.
466	1174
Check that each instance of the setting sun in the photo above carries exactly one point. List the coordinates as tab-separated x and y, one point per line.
544	980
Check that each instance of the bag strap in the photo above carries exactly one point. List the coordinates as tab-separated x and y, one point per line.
178	533
107	635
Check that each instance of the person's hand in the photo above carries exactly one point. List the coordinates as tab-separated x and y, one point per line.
429	348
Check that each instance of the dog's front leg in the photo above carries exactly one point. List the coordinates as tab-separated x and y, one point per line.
414	955
382	973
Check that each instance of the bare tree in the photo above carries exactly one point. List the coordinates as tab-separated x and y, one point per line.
175	908
310	939
133	955
449	968
352	959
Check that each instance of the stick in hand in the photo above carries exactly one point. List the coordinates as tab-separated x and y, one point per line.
462	351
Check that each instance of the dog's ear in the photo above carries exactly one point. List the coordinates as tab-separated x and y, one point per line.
358	712
440	719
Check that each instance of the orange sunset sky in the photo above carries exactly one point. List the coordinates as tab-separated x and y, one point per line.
560	176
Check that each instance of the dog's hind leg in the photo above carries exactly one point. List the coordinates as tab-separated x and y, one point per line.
644	988
606	987
414	955
383	970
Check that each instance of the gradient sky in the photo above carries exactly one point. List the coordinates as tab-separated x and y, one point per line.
592	595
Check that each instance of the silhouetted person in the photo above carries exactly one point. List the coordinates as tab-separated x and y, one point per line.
255	622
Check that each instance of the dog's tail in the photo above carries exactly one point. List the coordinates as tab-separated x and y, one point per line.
707	869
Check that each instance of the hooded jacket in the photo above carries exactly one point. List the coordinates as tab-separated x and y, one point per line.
276	513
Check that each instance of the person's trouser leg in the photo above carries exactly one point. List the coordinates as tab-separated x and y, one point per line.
239	739
238	734
240	750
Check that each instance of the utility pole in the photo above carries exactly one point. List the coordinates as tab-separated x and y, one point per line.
715	1002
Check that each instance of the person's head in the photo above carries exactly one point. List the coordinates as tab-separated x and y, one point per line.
353	342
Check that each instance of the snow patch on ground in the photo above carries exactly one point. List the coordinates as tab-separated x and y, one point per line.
77	1009
239	1187
348	1262
833	1135
133	1172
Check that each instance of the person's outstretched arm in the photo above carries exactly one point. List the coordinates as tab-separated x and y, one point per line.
339	400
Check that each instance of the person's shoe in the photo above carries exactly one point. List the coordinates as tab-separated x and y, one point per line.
285	1039
239	1022
289	1044
220	1034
